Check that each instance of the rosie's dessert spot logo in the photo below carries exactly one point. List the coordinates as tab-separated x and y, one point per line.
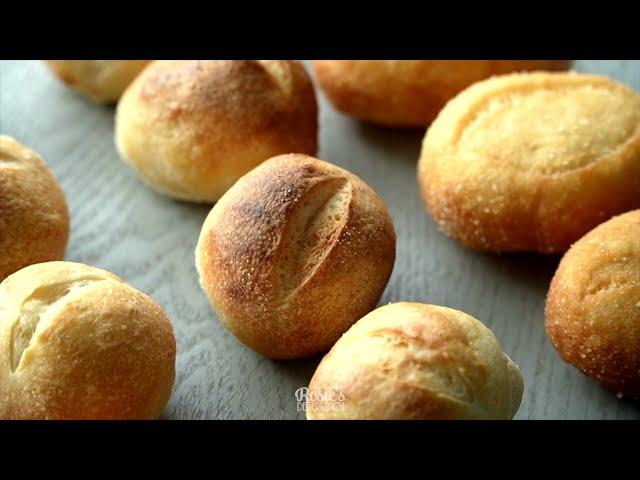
319	400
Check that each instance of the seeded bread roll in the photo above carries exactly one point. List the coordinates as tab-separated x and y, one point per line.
34	217
102	81
532	162
294	253
409	93
593	305
410	361
192	128
77	342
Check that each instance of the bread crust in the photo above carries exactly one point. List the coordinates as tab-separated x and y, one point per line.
531	162
409	93
410	361
294	253
34	217
101	81
593	305
192	128
76	342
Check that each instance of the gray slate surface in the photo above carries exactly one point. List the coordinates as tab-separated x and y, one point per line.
120	225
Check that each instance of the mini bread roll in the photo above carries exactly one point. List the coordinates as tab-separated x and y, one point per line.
192	128
34	217
531	162
294	253
408	93
77	342
102	81
593	305
410	361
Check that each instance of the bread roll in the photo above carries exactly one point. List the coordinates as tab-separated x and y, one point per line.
410	361
531	162
192	128
408	93
102	81
77	342
34	218
294	253
593	305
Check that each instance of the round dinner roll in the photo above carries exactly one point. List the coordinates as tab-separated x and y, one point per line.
593	305
192	128
408	93
531	162
34	217
76	342
102	81
294	253
412	361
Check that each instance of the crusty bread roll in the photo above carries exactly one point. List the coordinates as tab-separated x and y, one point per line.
34	218
408	361
192	128
77	342
593	305
102	81
409	93
531	162
294	253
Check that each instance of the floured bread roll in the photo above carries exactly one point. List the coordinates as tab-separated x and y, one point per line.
77	342
34	217
98	80
593	305
294	253
532	162
408	361
192	128
409	93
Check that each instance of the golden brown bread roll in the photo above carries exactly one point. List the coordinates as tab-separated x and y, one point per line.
34	217
593	305
192	128
99	80
409	361
76	342
294	253
409	93
531	162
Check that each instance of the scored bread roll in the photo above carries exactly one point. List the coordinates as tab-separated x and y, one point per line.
192	128
410	361
408	93
34	217
102	81
76	342
294	253
531	162
593	305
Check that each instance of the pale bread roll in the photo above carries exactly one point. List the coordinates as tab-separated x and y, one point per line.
410	361
76	342
102	81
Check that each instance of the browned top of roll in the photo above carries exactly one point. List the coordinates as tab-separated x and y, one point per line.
34	217
296	237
